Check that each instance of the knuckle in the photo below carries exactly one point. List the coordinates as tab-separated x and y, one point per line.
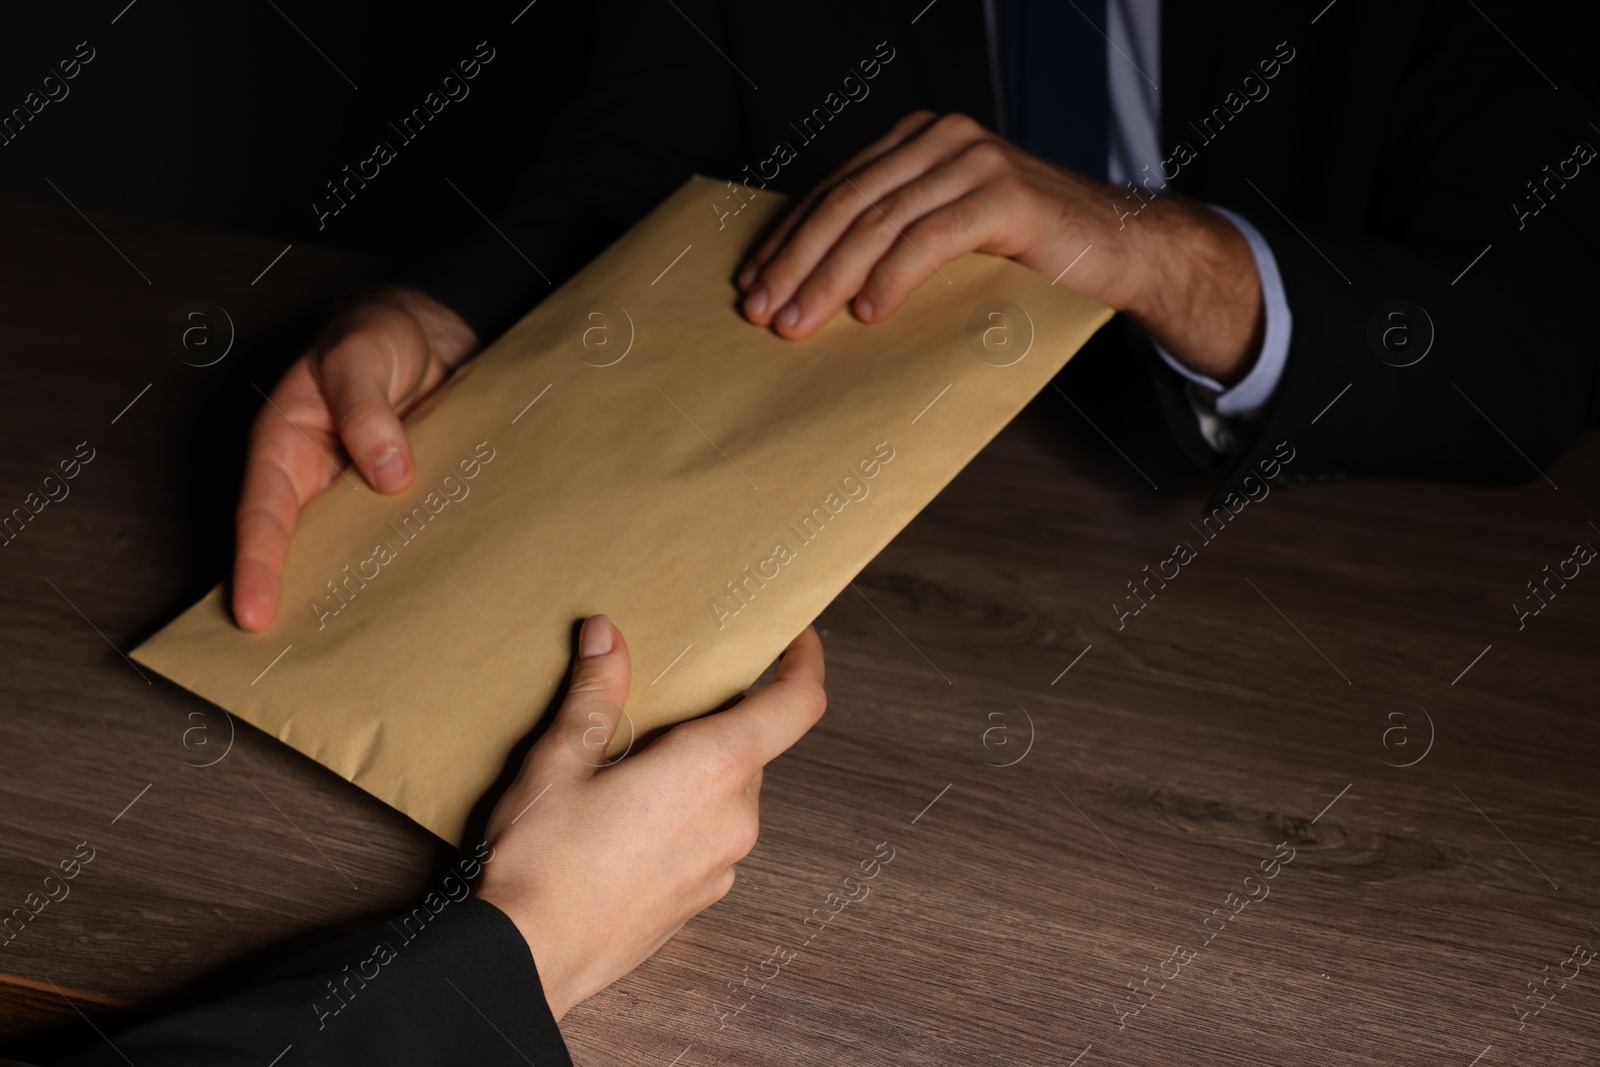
543	762
841	200
380	339
255	517
716	756
365	414
897	205
279	408
959	124
780	273
722	884
1010	187
871	225
821	286
589	672
727	757
942	229
812	697
744	836
589	707
933	234
587	723
986	153
690	738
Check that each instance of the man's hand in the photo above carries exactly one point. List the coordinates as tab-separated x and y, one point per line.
936	188
340	401
599	866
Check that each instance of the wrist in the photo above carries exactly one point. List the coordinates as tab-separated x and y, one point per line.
1198	293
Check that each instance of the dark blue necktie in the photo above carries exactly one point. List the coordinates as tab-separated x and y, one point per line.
1057	104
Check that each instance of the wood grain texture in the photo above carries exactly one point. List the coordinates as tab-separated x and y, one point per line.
202	872
1252	703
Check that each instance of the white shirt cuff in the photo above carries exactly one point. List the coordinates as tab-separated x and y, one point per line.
1256	388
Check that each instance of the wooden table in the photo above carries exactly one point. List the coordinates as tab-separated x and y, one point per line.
1070	807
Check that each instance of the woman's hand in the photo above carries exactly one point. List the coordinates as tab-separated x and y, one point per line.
340	401
600	865
934	189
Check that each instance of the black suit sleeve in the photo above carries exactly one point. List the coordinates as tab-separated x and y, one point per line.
456	987
1446	222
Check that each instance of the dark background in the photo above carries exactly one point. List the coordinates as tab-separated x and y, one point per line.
225	116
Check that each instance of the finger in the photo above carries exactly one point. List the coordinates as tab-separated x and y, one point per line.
844	202
363	376
971	223
767	722
290	460
902	131
841	273
262	536
593	709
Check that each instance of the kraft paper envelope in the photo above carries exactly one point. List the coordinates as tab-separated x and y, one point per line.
635	447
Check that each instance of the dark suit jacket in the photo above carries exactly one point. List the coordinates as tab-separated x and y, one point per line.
1386	158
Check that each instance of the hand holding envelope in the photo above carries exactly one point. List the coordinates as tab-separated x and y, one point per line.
592	868
635	447
370	366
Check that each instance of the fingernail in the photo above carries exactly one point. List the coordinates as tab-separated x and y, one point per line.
756	303
864	309
390	470
789	315
595	639
747	276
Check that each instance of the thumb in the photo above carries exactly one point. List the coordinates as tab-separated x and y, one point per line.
592	725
